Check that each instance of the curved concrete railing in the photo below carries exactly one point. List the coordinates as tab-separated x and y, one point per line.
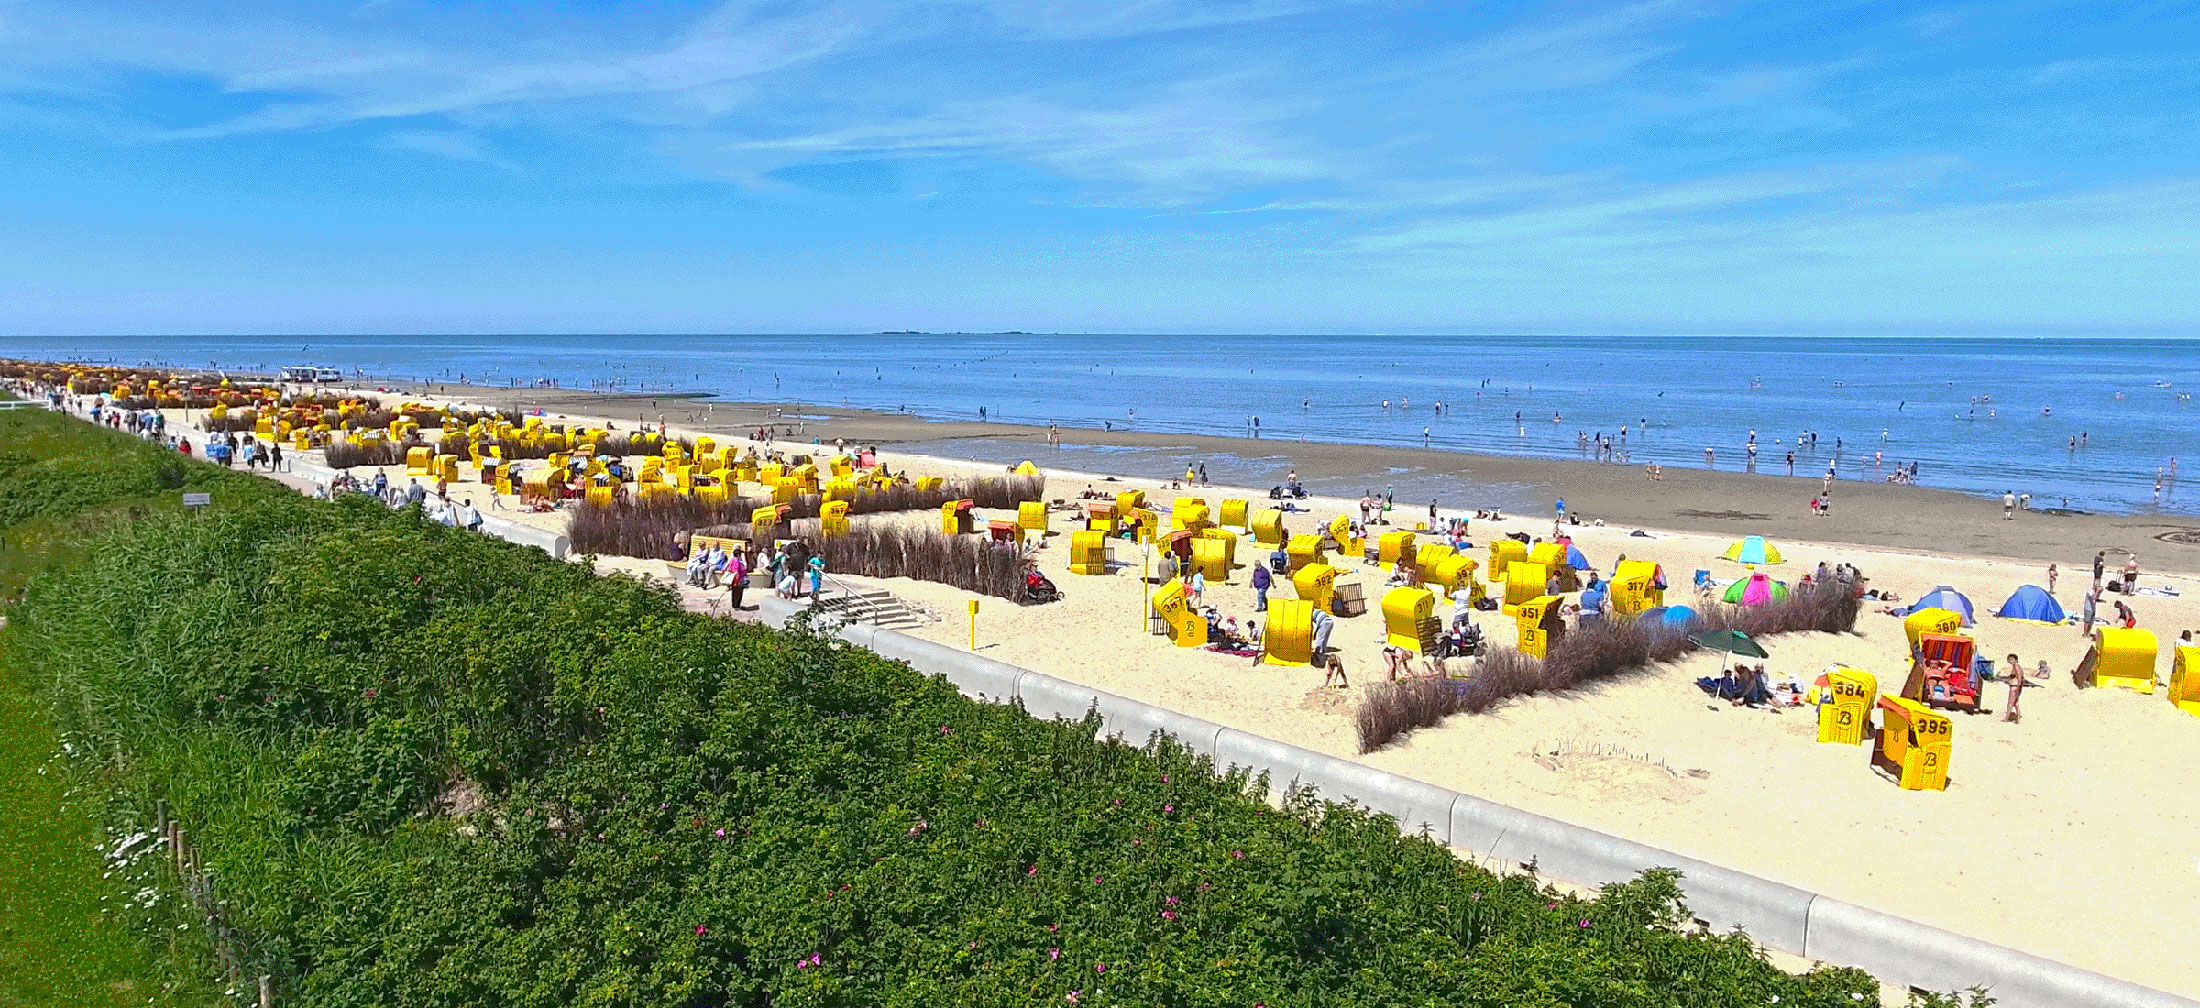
1775	915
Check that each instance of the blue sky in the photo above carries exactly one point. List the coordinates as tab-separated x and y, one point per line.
1058	165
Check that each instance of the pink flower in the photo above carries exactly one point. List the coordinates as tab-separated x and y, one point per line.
816	959
944	730
1168	808
802	964
1204	886
1172	901
1168	915
1033	870
1136	842
1164	778
1238	855
1096	880
1099	967
699	929
1053	954
1071	997
1584	923
1053	928
973	944
721	833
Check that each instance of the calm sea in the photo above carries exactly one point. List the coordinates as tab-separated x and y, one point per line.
1980	415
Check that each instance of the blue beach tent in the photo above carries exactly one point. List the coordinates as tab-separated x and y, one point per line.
2032	604
1679	616
1944	597
1575	560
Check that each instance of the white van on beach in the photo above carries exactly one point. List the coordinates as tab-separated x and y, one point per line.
307	373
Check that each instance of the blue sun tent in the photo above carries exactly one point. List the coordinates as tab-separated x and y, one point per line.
2032	604
1575	560
1943	597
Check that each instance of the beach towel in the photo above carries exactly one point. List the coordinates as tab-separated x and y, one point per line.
2157	592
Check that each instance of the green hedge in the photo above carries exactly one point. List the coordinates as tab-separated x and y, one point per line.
428	768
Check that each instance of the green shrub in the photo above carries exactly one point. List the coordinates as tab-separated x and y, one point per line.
429	768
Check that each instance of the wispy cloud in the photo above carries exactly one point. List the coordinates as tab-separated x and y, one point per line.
450	144
729	45
1193	140
1639	211
1064	19
1700	143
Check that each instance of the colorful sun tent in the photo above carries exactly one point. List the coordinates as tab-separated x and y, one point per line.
1753	550
1755	590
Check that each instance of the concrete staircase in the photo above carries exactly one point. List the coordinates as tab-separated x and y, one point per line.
876	606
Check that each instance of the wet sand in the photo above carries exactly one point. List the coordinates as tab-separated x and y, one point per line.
1723	503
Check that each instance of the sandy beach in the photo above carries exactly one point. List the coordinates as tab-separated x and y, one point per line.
1879	515
2041	818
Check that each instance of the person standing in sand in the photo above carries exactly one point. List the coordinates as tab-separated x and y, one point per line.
2008	505
2051	574
2092	610
2016	688
2131	574
2100	563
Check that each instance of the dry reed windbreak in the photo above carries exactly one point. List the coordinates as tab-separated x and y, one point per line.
969	562
651	529
344	455
1590	651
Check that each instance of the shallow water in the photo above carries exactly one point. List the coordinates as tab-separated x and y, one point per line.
1902	399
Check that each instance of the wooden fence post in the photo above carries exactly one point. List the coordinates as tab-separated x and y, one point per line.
267	991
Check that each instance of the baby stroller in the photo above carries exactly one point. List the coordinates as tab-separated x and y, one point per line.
1463	641
1038	590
